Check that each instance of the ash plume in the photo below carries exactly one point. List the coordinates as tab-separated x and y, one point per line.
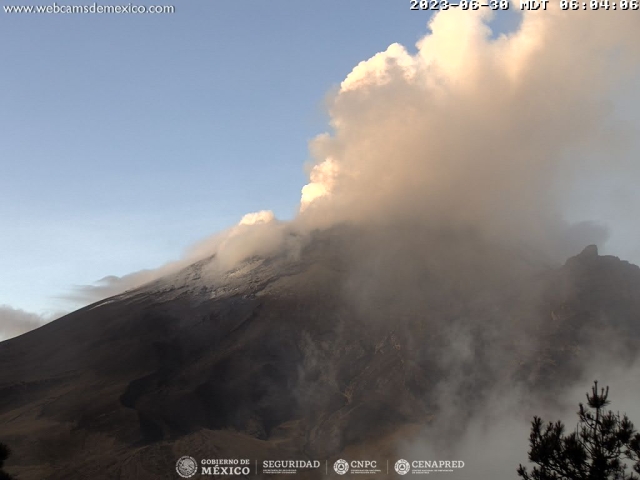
472	131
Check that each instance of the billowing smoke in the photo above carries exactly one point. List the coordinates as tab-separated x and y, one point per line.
472	131
257	234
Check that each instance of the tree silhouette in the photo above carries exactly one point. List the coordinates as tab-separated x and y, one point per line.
602	447
4	454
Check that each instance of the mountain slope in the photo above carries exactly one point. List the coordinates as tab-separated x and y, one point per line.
342	347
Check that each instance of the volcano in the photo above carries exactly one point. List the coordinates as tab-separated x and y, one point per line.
339	350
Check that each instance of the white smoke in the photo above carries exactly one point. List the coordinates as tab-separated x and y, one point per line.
263	216
475	131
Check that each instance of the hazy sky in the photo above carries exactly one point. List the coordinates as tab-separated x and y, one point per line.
124	139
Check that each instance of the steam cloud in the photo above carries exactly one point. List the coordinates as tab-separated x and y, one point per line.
476	132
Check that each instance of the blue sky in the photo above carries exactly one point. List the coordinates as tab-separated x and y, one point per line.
124	139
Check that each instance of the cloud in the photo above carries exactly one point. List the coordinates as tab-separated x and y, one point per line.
14	322
473	131
113	285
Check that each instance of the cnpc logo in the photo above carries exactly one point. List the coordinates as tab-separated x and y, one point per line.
357	466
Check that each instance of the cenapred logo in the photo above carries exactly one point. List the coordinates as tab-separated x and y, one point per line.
402	467
186	466
341	466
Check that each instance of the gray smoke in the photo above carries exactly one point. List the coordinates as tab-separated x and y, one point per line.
14	322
